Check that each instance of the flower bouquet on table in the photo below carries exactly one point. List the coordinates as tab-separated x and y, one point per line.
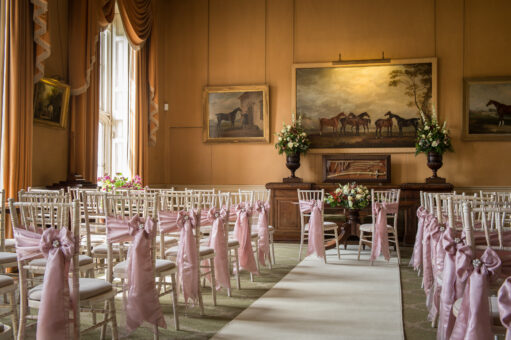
108	183
350	196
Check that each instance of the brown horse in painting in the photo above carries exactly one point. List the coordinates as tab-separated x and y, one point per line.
502	110
332	122
381	123
356	121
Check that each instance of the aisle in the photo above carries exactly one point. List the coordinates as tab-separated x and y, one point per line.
345	299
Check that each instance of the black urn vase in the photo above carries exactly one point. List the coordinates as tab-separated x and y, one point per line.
293	163
435	163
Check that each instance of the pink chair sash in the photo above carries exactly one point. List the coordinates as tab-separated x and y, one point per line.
58	248
242	233
430	225
142	303
446	319
474	320
316	242
187	255
505	306
262	229
381	235
416	260
217	241
438	257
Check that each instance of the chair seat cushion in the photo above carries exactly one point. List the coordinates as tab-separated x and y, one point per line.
10	243
203	251
169	240
326	224
6	257
102	249
160	266
82	261
88	288
494	309
5	281
368	227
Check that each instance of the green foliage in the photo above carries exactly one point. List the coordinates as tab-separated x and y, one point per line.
292	139
349	196
431	137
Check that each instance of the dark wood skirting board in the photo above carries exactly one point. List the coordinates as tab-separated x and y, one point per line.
285	214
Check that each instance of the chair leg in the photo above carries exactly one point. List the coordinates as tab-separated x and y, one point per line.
201	304
108	307
174	300
337	244
397	248
272	248
257	255
115	334
156	335
213	281
360	244
14	314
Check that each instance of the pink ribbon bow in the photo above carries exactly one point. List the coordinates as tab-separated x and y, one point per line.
58	247
416	259
474	320
446	319
316	238
218	242
381	235
505	306
142	303
242	233
262	229
188	257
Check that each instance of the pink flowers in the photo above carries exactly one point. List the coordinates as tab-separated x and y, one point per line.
108	183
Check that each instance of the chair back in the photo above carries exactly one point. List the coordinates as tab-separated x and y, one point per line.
175	200
309	195
385	196
241	197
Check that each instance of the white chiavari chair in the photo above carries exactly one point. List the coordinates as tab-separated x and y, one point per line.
328	227
367	230
263	196
224	201
93	293
145	205
186	202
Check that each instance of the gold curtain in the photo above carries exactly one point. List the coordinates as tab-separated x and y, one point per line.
86	19
41	37
18	99
137	19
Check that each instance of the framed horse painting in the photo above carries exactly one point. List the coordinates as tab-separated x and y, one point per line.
354	105
487	109
236	114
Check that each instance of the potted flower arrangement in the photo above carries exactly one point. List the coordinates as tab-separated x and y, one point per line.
293	141
349	196
108	183
433	139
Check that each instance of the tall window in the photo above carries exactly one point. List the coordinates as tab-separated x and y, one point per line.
113	134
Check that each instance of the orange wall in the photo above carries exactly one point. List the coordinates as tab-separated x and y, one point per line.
50	145
228	42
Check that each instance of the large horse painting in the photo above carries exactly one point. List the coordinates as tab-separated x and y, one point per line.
236	114
364	106
487	113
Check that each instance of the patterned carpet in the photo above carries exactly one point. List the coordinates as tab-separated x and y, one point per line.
417	326
194	326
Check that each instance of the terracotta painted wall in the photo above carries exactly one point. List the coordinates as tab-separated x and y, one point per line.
50	145
224	42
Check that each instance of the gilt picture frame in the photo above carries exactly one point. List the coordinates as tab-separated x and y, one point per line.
236	114
353	107
51	102
362	168
487	109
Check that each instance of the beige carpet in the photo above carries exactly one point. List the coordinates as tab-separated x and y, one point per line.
346	299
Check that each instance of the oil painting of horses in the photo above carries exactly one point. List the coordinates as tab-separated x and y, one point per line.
364	106
487	113
236	114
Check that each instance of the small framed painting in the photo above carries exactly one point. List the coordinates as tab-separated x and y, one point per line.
235	114
487	109
361	168
51	101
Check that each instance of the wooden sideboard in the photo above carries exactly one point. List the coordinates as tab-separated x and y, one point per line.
285	215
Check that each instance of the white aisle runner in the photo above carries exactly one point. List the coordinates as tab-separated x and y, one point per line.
345	299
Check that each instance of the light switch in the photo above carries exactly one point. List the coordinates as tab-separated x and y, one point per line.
165	107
